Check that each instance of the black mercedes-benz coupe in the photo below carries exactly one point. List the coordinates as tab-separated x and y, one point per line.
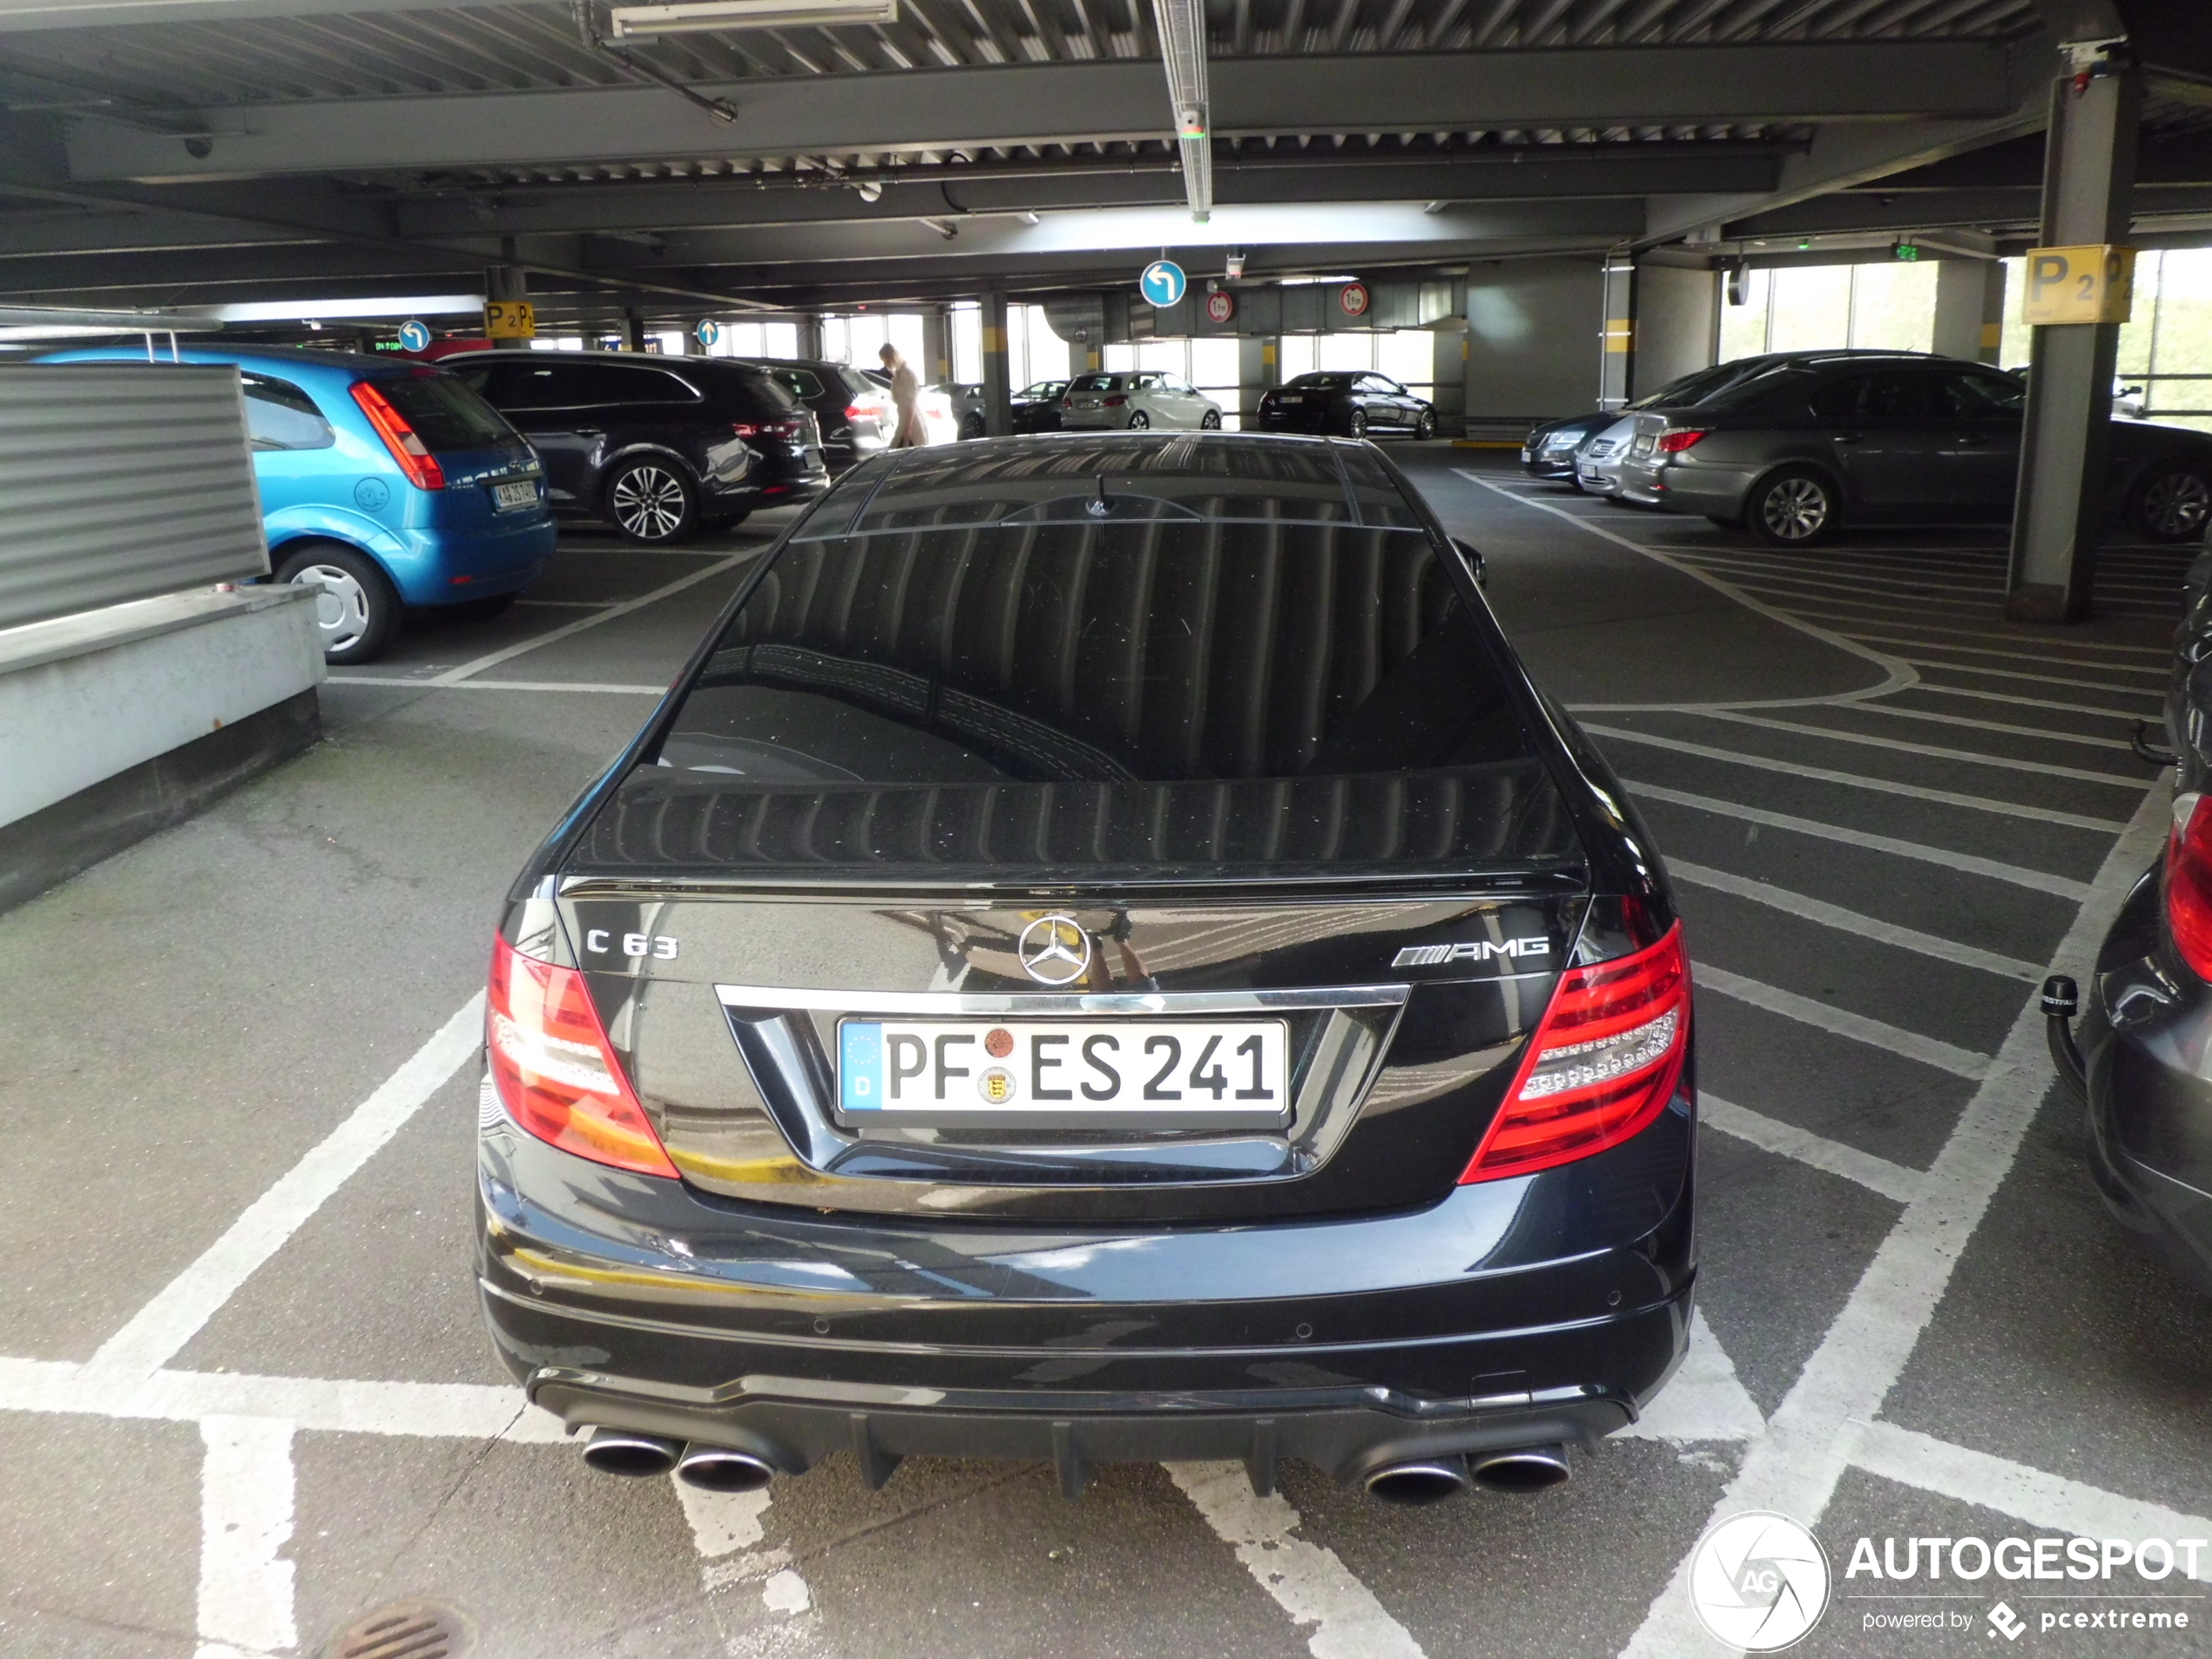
2149	1023
1351	403
1103	955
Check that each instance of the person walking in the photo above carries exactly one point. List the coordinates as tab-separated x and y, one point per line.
906	398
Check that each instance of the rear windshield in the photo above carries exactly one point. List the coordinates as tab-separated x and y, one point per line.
1099	383
1320	382
446	414
1170	693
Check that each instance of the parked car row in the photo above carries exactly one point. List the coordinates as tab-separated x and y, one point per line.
1791	447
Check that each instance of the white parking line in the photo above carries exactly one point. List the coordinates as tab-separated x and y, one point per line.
1983	694
1852	922
1893	1181
246	1498
2162	654
1935	751
1794	1467
2042	734
2037	679
2044	1500
1306	1580
726	1530
491	659
495	685
1703	1401
1858	780
2155	670
1877	1033
1971	864
1895	674
162	1328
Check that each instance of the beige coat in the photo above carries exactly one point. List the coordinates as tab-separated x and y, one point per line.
905	397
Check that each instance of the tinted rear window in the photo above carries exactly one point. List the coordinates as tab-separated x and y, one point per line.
1162	693
446	414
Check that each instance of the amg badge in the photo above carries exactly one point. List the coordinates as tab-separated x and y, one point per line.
1473	950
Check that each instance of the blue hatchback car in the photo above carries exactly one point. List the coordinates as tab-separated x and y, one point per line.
386	484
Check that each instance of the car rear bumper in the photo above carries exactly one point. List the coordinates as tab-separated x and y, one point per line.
449	566
1709	491
2150	1108
1310	421
631	1303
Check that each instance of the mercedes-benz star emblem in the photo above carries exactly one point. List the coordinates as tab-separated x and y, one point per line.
1055	949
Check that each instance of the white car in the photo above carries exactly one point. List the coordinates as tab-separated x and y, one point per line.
1136	398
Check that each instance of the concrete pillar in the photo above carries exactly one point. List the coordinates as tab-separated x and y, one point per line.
1970	309
1258	366
1084	356
998	390
1617	337
936	365
1677	325
809	336
633	329
2058	510
1449	355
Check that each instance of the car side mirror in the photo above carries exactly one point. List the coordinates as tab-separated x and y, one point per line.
1474	556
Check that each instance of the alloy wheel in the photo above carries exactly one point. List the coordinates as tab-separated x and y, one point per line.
1426	429
1795	510
2177	504
1138	420
648	503
1360	423
341	604
1211	420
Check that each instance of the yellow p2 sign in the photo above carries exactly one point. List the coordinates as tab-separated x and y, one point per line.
2072	285
510	319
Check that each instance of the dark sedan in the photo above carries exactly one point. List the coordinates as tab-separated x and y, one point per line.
852	410
656	446
1818	439
2148	1022
1036	408
1348	404
1063	977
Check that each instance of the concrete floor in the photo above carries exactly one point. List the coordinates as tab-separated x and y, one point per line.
246	1397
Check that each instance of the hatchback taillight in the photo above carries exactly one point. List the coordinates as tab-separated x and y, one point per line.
1604	1062
791	431
553	1071
407	448
2189	882
1673	443
1115	402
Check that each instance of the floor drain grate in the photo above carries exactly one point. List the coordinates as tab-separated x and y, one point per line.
404	1630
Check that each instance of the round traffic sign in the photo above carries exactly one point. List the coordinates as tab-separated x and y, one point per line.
1221	305
1164	283
1351	299
415	336
708	332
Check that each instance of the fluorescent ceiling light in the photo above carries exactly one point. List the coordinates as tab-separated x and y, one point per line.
631	23
418	305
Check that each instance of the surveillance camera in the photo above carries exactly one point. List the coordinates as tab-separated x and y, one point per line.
200	148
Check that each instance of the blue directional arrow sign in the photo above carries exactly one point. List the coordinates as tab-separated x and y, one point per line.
1164	283
708	332
413	336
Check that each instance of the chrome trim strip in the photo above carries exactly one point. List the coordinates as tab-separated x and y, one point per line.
999	1005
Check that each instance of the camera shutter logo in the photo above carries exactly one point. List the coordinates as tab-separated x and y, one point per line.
1758	1582
1055	950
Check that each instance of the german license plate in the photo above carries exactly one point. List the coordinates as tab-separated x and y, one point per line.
1292	397
522	492
1076	1072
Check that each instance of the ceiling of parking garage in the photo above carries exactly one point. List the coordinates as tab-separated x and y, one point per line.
183	152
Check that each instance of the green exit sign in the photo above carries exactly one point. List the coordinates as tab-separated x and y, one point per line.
1907	250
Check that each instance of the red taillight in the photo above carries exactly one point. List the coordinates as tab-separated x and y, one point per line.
789	430
413	455
2189	882
1673	443
553	1071
1603	1064
865	411
1115	402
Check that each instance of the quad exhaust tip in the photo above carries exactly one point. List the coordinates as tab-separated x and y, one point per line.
617	1451
1427	1481
1527	1468
722	1468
